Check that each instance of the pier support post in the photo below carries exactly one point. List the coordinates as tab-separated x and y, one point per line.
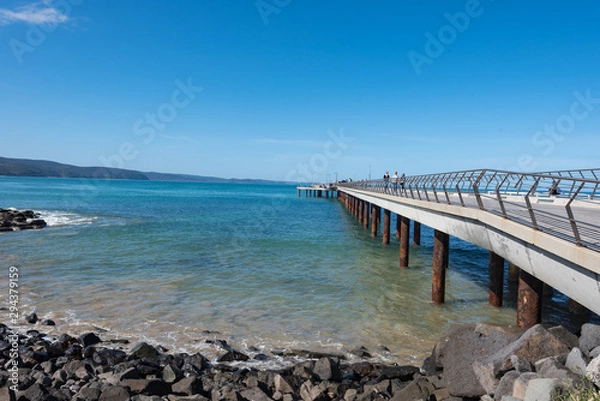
404	239
577	309
374	220
496	266
417	233
529	301
398	219
386	226
366	215
360	211
441	241
513	272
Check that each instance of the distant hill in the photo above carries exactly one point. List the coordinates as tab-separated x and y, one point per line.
45	168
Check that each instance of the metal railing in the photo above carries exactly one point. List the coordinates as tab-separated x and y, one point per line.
565	203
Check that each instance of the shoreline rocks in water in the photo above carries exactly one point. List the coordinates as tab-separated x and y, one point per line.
15	220
471	362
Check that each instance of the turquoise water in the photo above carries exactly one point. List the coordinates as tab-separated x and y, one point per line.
181	263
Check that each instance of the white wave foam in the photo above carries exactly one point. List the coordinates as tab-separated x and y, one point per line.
57	218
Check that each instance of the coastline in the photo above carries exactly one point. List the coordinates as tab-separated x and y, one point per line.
474	361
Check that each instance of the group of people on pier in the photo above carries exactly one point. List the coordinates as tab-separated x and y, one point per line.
395	181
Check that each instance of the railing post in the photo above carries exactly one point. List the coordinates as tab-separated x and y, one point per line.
572	218
476	190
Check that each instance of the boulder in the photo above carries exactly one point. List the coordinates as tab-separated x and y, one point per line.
576	361
88	339
188	386
593	371
114	393
535	344
327	369
233	356
590	337
541	390
144	350
464	346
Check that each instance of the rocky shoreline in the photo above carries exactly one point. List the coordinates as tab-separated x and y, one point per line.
471	362
15	220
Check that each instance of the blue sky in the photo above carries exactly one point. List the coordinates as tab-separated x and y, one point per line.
301	90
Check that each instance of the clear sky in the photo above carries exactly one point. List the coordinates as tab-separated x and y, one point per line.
301	89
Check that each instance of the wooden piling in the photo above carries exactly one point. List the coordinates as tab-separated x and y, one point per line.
374	220
404	239
496	267
417	233
366	216
360	211
398	219
529	301
386	226
440	263
513	272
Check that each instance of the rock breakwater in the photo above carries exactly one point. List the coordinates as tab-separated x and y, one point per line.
471	362
15	220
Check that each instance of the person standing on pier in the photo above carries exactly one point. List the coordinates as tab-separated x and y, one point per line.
402	181
395	182
386	181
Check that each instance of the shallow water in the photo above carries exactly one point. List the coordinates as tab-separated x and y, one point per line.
180	263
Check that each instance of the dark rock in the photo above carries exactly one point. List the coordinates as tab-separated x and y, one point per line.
35	392
404	373
171	374
418	389
48	322
114	393
233	356
255	394
88	394
74	351
147	387
361	352
144	350
31	318
188	386
565	336
109	357
88	339
327	369
195	363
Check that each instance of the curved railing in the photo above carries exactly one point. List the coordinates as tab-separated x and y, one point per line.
565	203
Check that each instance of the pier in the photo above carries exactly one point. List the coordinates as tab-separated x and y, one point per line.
318	190
545	225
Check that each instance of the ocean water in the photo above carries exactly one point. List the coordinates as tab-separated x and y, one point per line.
180	264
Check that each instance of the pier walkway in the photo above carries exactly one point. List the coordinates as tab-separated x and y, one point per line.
547	224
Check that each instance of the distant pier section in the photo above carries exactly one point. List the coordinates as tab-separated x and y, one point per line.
318	190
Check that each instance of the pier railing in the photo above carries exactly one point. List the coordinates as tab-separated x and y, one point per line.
565	203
